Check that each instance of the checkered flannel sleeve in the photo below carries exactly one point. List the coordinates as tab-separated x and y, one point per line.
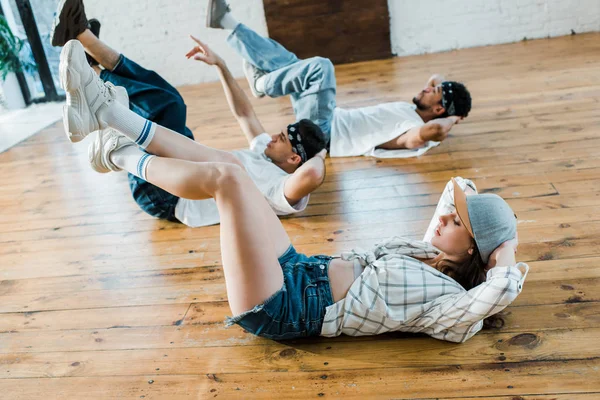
460	316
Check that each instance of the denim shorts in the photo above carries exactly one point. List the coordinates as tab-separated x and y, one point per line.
298	309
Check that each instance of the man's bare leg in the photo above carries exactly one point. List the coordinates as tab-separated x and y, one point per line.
104	54
252	237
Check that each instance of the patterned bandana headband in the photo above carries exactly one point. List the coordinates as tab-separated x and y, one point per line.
296	141
448	98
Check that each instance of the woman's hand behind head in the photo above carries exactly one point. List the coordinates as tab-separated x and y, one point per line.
504	255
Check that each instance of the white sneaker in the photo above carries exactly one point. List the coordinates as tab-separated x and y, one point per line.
99	151
108	140
252	74
86	93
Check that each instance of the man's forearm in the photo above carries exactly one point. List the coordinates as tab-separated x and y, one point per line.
306	179
236	98
446	124
317	166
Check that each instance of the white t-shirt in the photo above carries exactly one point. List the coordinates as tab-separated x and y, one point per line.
358	131
268	177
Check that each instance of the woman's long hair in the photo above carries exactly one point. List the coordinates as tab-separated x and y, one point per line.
468	274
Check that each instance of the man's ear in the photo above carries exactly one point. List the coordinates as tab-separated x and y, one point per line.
294	159
438	110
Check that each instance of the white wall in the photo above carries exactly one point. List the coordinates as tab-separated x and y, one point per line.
154	33
429	26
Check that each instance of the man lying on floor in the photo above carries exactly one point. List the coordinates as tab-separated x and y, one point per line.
286	166
387	130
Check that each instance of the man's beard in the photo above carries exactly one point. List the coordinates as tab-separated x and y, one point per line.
419	105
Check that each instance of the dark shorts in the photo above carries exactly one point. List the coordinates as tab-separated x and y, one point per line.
298	309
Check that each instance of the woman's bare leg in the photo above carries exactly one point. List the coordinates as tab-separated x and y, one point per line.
252	237
166	143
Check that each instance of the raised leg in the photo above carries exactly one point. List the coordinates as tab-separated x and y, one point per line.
100	51
252	237
311	84
262	52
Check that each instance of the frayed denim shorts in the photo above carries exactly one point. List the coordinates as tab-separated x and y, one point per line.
298	308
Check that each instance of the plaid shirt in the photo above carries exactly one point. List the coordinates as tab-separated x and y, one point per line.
397	292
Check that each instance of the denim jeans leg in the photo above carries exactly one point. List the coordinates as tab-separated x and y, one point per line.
130	69
262	52
151	99
311	84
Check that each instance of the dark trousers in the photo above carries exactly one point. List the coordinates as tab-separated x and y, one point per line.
156	100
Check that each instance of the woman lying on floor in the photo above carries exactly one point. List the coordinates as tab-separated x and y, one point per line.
445	286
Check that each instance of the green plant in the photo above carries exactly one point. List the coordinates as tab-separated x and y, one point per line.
10	47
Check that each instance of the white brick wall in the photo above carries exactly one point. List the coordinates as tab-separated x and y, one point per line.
429	26
154	33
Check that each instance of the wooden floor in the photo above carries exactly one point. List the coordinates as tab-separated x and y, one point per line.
98	300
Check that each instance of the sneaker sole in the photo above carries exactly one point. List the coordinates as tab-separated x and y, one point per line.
96	148
249	77
209	17
94	154
70	81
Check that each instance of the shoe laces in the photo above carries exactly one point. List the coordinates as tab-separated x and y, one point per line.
106	89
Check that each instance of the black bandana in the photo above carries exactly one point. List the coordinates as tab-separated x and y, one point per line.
296	141
448	98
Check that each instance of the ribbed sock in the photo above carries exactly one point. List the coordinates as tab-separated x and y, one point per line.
138	129
132	160
228	22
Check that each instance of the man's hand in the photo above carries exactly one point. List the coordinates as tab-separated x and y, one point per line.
203	53
455	119
238	102
438	129
435	80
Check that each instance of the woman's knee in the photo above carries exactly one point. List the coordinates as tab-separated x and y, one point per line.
232	159
230	175
231	179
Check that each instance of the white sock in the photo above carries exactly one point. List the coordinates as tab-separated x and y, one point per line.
259	84
132	160
228	22
138	129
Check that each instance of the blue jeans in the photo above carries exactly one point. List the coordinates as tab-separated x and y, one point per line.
310	83
298	309
156	100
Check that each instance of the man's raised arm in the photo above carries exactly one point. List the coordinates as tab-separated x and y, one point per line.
239	104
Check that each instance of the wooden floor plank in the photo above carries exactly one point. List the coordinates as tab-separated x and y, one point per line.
578	377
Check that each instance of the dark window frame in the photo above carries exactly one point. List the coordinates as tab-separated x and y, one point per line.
37	49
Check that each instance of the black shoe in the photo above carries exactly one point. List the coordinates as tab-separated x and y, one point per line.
94	26
69	21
